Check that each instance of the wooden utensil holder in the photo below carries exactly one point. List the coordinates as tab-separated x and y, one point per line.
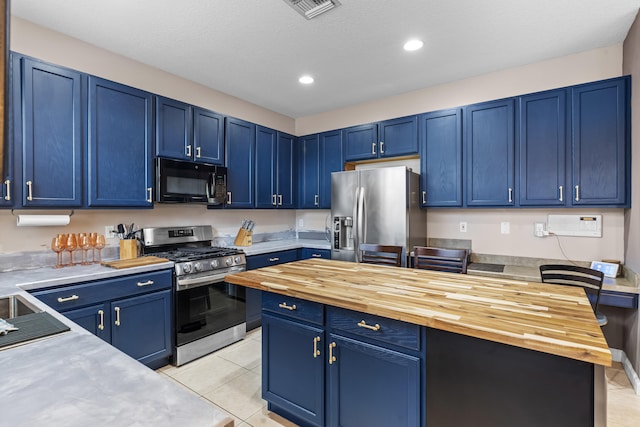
128	249
244	238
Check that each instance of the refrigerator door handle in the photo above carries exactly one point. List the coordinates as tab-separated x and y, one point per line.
362	218
356	242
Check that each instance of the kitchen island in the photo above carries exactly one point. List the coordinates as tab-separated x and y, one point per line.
413	347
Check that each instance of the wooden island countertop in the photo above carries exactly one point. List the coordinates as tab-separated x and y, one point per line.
548	318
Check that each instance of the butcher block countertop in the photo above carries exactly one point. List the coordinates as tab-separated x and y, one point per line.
548	318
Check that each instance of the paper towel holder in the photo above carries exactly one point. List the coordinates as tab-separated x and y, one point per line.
70	214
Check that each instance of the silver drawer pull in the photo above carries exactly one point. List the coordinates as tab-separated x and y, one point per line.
274	259
147	283
71	298
287	307
316	255
363	324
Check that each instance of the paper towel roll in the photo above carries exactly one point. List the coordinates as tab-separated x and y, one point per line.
42	220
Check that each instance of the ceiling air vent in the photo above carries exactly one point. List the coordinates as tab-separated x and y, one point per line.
312	8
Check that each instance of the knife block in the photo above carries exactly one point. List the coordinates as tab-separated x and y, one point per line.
128	249
244	238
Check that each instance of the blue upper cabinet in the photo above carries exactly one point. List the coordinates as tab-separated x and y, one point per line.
309	181
600	143
120	157
185	132
51	135
440	137
275	154
542	149
240	144
320	155
390	138
7	191
489	151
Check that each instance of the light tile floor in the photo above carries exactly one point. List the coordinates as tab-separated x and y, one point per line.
230	380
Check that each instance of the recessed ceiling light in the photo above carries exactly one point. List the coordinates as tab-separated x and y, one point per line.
413	44
306	80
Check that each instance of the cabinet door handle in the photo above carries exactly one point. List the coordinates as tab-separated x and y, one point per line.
316	255
279	199
273	200
332	358
316	200
363	324
101	324
150	194
8	184
117	310
29	190
577	193
228	197
381	147
147	283
373	148
274	259
510	195
287	307
316	352
198	152
71	298
561	195
188	150
424	197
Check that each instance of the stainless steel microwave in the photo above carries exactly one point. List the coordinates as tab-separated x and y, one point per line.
189	182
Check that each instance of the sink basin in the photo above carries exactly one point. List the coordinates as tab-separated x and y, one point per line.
15	305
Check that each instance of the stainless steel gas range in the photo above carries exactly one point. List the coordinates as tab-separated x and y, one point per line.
208	313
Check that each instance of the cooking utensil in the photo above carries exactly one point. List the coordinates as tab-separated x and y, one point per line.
121	231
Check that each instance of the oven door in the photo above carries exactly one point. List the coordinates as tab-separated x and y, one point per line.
208	309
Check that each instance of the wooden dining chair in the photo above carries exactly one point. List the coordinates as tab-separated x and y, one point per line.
572	275
440	259
381	254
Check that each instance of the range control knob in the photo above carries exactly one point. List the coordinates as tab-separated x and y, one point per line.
214	263
186	268
229	261
197	266
237	260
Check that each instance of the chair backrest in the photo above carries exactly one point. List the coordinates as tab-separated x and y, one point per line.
439	259
381	254
572	275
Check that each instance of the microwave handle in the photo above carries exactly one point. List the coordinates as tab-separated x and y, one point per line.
211	185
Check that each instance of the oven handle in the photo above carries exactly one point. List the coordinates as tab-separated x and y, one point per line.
187	283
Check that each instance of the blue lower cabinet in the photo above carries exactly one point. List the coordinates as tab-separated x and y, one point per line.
372	386
94	319
140	326
306	253
293	369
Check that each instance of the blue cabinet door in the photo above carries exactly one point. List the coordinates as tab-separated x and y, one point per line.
286	170
173	129
440	135
309	178
360	142
120	157
307	253
141	326
372	386
266	164
600	143
331	160
95	319
52	142
489	151
240	143
398	137
208	136
543	142
8	191
293	368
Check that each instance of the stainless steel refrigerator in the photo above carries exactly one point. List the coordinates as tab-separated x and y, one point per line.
379	206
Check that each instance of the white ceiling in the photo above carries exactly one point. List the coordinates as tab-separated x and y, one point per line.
256	49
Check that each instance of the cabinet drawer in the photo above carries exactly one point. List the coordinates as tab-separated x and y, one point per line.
377	328
294	308
306	253
271	258
75	296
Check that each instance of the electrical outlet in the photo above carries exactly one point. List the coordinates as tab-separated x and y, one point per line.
110	232
300	222
505	228
463	227
538	229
